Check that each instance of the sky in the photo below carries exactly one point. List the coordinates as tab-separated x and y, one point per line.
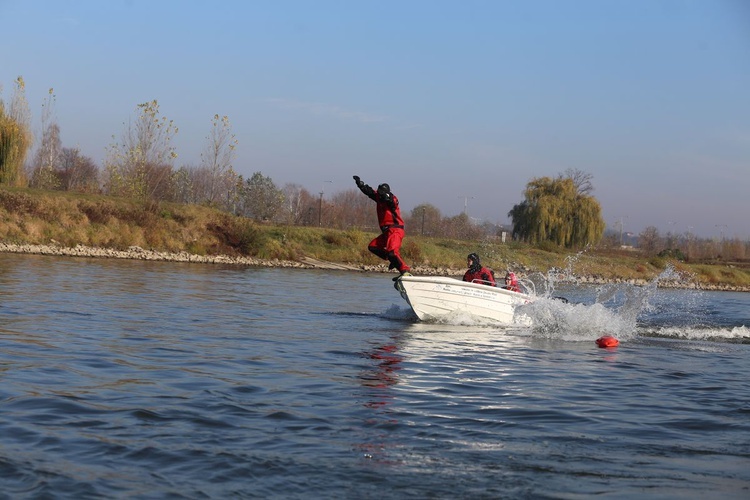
458	104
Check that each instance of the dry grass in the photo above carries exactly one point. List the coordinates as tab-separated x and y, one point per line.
42	217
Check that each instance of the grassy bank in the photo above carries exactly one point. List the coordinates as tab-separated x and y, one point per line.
65	219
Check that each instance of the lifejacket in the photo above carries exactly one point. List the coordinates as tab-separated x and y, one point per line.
482	275
513	285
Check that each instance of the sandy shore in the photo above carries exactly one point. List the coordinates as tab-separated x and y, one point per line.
138	253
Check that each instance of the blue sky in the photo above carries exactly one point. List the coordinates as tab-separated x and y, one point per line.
454	103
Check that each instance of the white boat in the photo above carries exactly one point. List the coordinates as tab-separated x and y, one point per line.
433	297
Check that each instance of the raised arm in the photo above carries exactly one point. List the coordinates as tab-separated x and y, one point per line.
364	187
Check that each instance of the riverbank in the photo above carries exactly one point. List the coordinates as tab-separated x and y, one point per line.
138	253
77	225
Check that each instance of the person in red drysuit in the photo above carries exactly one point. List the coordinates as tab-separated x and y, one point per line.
388	244
511	282
478	274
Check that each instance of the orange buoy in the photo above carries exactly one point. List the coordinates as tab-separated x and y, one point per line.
607	341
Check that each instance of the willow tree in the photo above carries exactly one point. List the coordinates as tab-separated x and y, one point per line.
15	136
557	210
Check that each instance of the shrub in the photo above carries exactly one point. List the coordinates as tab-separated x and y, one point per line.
336	238
196	248
275	249
411	251
237	233
674	253
357	237
97	212
18	202
658	262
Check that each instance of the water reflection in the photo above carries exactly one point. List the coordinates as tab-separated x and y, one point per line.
378	379
382	374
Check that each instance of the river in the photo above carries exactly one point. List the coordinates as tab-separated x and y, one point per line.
131	379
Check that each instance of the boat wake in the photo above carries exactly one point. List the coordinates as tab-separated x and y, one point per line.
622	310
628	311
555	319
734	335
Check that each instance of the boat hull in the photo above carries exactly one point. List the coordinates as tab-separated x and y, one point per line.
432	297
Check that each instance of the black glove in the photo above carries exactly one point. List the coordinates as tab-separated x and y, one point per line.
357	180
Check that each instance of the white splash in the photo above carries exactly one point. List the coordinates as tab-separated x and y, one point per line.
615	310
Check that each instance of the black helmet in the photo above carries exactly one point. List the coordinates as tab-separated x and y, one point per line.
385	188
474	258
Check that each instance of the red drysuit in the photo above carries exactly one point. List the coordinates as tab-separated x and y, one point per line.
386	246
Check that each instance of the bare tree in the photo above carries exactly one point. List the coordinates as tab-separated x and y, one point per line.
183	181
308	215
296	200
425	219
217	157
735	249
649	240
581	180
349	208
77	172
44	167
141	165
460	227
44	173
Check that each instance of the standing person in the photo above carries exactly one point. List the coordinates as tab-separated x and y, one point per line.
511	282
478	274
387	245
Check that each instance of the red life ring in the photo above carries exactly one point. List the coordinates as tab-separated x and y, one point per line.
607	341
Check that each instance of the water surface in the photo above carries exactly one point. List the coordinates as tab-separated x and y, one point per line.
151	380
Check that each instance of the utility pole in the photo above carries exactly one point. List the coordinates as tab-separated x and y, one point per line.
320	204
620	222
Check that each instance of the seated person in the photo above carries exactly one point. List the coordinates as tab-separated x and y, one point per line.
511	282
477	273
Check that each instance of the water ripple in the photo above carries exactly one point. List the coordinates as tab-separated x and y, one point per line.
144	380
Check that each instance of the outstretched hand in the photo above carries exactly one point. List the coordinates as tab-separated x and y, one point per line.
358	181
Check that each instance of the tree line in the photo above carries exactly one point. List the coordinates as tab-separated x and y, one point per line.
558	211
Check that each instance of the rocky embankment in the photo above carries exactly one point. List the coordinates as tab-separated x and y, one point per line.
138	253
